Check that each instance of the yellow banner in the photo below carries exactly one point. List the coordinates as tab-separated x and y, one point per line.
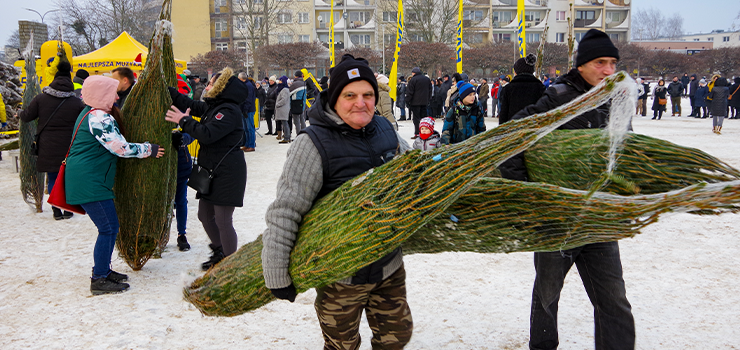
521	31
393	76
331	36
458	47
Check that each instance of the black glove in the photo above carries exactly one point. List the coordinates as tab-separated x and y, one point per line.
287	293
176	139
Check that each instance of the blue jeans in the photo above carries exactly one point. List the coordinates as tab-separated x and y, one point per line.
250	140
181	204
51	178
103	214
600	268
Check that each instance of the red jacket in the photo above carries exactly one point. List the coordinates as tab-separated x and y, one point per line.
494	90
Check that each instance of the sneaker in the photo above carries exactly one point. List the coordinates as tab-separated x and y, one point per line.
100	286
117	277
248	149
67	215
182	243
284	141
57	213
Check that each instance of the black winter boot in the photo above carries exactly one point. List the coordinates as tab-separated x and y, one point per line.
57	213
104	285
182	243
216	257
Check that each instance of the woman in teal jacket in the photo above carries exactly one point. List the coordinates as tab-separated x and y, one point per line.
91	169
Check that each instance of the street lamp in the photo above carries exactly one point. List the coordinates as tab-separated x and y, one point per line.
40	15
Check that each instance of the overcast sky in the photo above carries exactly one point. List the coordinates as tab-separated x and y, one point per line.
699	16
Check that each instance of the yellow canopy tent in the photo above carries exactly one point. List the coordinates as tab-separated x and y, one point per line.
121	52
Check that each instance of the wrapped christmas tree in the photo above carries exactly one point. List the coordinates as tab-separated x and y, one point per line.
32	182
145	188
445	200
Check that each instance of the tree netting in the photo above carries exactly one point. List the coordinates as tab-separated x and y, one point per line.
145	188
446	200
32	182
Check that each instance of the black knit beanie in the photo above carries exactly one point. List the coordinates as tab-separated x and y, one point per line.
82	74
348	71
64	69
525	64
593	45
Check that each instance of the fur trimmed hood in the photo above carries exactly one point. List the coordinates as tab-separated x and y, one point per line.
228	88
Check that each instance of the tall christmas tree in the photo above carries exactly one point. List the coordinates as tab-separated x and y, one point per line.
145	188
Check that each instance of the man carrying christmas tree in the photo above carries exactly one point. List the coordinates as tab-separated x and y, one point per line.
599	264
345	139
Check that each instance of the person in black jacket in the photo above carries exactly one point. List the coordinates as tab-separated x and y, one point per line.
418	94
126	81
220	132
734	100
675	89
248	109
685	80
693	86
599	264
56	108
660	94
270	98
261	94
524	90
718	108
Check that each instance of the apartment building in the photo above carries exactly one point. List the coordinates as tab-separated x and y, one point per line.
719	38
246	24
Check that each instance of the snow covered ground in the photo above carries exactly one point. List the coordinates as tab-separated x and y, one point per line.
681	279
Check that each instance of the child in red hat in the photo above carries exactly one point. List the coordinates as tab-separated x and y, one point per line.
428	137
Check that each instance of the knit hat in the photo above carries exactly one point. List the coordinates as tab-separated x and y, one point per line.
187	72
382	79
64	69
82	74
100	92
593	45
466	89
348	71
273	78
703	82
429	123
299	74
416	70
525	64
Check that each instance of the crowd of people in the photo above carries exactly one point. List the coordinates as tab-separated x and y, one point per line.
338	128
715	97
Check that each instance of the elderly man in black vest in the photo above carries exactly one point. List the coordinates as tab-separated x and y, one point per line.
344	140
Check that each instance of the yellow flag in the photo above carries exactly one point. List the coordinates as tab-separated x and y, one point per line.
331	36
521	31
393	76
458	47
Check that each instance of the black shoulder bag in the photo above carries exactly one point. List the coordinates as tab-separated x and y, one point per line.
35	144
200	178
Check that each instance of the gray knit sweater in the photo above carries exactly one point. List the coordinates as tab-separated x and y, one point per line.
298	186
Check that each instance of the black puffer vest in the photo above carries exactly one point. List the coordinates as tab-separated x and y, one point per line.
347	153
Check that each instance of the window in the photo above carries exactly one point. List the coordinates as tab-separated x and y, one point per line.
257	22
257	1
533	37
473	38
585	14
217	4
532	16
502	17
390	16
710	39
614	37
416	37
389	39
284	17
725	38
696	39
579	36
222	46
613	17
412	17
475	15
303	17
559	37
304	38
560	16
241	46
360	39
285	39
241	23
355	16
221	25
500	37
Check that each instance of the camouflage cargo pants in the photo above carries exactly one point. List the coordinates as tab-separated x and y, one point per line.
339	308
